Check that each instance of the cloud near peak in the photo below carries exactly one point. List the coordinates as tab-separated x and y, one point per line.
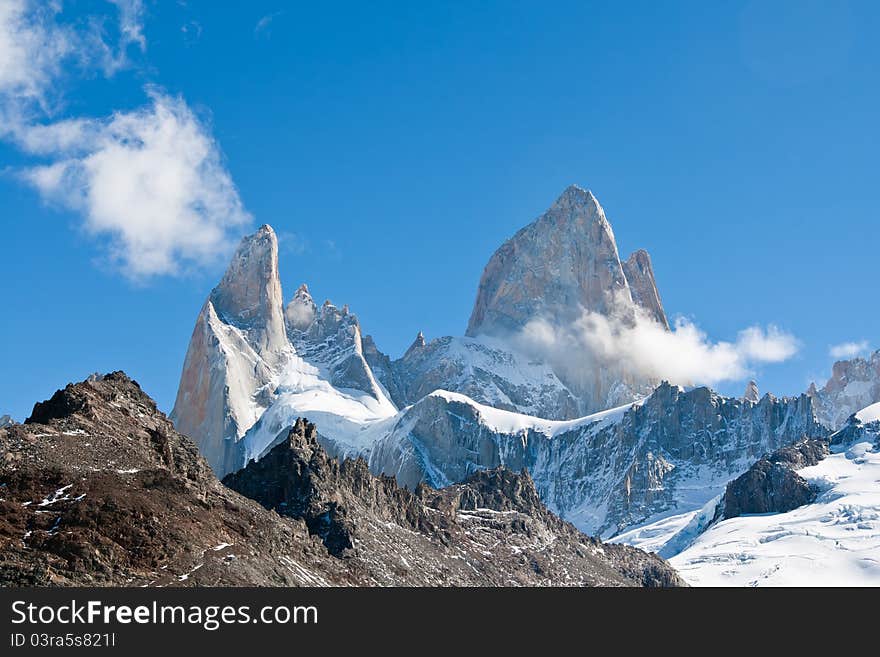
152	180
848	349
644	349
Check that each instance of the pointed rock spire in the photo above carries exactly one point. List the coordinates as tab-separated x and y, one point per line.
418	343
249	296
300	312
752	394
640	277
562	262
238	343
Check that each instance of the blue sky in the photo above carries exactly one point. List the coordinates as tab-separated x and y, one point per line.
394	146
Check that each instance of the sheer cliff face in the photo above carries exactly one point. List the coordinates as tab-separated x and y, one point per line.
237	348
673	452
553	271
249	296
248	352
563	263
639	274
854	385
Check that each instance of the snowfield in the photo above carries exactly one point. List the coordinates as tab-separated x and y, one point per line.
834	541
344	415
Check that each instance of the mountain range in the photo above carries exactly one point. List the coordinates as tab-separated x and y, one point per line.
484	458
617	453
97	488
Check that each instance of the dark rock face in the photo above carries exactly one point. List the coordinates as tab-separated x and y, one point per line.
617	473
771	485
492	529
98	489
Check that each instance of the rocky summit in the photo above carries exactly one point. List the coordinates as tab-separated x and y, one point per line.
98	488
254	364
853	385
564	262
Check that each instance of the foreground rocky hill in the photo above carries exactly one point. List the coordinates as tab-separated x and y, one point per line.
97	488
491	529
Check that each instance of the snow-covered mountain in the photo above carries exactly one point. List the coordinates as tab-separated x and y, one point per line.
238	348
561	266
486	369
854	384
251	358
454	405
668	454
833	540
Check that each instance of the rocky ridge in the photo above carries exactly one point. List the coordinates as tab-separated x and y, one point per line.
490	529
672	452
854	385
97	488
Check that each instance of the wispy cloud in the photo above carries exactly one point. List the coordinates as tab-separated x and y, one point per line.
150	183
263	26
192	32
848	349
644	349
294	243
35	48
151	180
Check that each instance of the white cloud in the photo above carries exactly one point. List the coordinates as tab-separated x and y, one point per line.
32	50
263	25
151	180
130	28
35	48
848	349
644	349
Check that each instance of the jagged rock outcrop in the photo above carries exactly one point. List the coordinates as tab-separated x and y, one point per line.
487	370
772	484
752	394
384	371
675	451
301	311
492	529
863	426
854	384
238	347
639	274
97	488
332	341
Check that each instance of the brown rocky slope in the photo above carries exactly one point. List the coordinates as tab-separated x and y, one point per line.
97	488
